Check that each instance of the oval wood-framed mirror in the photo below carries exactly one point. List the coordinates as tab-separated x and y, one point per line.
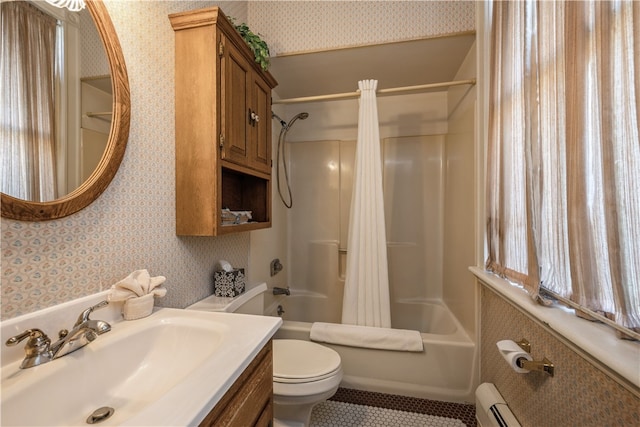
86	193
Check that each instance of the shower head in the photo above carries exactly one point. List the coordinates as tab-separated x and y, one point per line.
301	116
281	141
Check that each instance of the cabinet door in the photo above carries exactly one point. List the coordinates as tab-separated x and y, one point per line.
260	148
235	98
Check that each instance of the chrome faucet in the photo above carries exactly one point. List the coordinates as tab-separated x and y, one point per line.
281	291
36	351
83	332
39	349
99	326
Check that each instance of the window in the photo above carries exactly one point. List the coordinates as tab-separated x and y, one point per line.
563	169
27	90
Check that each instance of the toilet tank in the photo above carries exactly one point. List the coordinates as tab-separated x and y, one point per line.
251	301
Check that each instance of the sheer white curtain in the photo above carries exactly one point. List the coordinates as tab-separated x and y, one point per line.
366	289
563	170
27	116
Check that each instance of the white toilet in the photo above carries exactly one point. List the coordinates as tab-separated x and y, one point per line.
304	374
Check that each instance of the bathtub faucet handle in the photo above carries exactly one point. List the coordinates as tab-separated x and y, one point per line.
281	291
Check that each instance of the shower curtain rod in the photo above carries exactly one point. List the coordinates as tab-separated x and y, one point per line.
379	92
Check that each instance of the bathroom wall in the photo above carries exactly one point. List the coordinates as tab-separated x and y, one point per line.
579	394
131	226
302	26
94	59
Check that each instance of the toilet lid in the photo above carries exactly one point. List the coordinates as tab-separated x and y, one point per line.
303	361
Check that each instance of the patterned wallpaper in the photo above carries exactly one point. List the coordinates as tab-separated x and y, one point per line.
578	395
94	58
301	26
132	225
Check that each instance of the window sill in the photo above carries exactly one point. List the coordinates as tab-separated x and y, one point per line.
595	341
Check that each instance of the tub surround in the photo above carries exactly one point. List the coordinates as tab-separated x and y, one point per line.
461	150
425	316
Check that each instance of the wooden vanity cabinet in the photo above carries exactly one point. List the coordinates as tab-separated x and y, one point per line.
223	126
249	401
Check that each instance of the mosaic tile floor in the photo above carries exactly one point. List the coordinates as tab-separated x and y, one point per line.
351	408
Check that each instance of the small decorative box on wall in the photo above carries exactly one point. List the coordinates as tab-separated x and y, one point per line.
228	283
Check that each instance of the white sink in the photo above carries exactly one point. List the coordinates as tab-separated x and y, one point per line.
170	368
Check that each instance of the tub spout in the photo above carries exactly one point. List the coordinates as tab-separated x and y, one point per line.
281	291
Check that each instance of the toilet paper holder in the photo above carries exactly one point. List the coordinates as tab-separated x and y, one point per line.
525	345
543	365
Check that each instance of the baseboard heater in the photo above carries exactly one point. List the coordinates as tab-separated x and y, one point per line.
491	409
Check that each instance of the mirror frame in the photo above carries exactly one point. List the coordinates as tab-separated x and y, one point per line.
100	179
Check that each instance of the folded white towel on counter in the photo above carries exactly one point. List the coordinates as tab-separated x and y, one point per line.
367	336
138	307
137	284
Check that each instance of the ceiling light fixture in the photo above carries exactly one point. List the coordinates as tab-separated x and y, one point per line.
72	5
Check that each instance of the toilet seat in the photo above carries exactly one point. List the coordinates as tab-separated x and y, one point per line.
297	361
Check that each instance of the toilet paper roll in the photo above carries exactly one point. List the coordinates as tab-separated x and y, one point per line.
223	265
511	352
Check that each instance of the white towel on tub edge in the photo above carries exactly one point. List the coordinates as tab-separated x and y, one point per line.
367	336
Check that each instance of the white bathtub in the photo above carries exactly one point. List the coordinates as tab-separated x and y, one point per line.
445	370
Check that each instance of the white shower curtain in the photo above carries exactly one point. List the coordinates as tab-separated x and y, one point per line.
366	289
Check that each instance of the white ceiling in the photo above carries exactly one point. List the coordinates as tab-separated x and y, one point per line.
395	64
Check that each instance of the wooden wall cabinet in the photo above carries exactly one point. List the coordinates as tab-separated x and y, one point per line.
249	401
223	126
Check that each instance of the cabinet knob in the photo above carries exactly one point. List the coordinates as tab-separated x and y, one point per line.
253	117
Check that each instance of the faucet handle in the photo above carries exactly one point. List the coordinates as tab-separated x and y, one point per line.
84	316
35	335
36	350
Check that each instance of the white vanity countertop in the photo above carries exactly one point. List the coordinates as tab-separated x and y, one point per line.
237	339
189	402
